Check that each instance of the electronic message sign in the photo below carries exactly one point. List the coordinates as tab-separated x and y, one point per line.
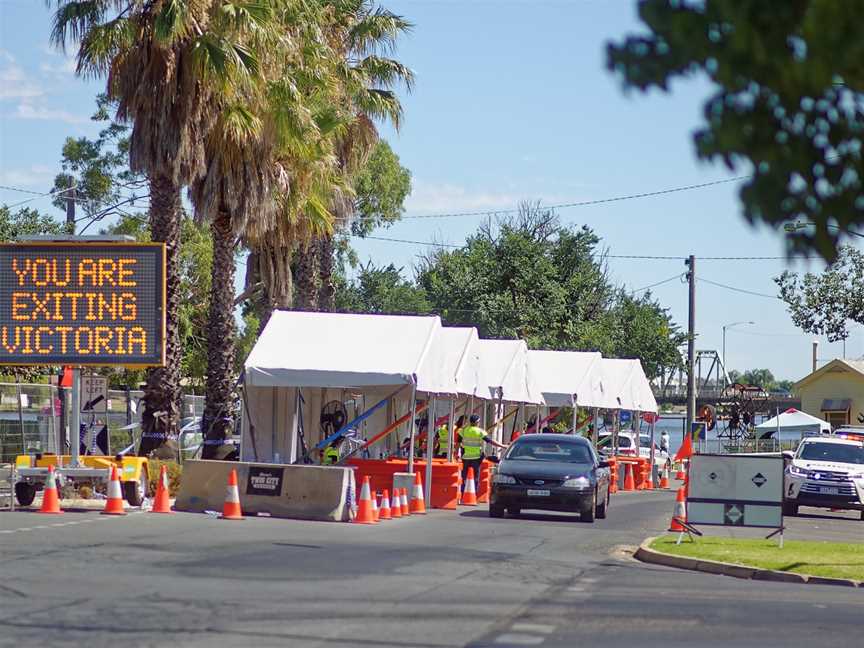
76	303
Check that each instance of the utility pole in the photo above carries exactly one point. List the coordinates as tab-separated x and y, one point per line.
70	207
691	344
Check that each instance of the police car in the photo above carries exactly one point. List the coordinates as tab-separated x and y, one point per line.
826	472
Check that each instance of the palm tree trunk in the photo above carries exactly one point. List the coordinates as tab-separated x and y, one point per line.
306	278
162	391
274	272
219	393
326	288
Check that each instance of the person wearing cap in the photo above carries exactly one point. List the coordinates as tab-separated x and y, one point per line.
471	439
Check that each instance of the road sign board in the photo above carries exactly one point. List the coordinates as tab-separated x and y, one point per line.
736	490
81	303
94	394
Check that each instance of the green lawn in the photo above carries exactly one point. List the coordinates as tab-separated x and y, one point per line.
831	559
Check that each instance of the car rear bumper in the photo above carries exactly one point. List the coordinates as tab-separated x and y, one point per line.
559	499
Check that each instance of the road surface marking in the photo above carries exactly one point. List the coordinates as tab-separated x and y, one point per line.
519	639
542	628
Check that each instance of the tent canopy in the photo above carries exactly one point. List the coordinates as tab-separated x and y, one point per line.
793	422
623	385
461	358
564	378
298	349
503	371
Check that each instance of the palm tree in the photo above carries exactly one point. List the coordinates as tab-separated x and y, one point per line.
162	60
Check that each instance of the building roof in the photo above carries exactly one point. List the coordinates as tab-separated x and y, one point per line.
855	367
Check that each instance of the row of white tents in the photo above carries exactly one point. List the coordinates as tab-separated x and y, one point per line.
303	360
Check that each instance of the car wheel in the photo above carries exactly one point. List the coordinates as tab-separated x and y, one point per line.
514	510
25	493
600	511
587	514
136	491
496	511
862	516
790	509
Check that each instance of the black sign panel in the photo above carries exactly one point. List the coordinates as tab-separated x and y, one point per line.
264	481
82	304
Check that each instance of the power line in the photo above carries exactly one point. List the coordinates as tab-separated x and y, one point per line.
736	289
660	283
55	192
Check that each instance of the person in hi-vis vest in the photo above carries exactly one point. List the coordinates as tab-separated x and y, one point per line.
471	439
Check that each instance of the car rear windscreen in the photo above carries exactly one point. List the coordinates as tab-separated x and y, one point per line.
555	451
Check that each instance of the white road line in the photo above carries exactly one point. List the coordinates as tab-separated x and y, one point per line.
542	628
519	639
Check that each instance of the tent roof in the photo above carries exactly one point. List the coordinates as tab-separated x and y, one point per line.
298	349
459	358
503	365
793	418
623	385
559	376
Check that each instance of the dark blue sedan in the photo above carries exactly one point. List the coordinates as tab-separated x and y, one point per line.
551	472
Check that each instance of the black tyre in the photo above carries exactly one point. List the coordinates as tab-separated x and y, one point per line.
790	509
135	492
862	516
496	511
514	510
600	511
25	493
587	514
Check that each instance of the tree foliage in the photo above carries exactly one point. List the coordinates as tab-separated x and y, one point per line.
26	222
380	290
825	303
381	187
786	101
761	378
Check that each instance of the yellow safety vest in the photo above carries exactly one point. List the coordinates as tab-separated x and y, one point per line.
472	442
331	455
443	436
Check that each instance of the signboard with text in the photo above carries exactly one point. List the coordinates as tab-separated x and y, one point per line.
74	303
94	394
265	481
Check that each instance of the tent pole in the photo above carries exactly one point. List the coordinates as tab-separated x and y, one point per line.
595	431
413	432
292	448
537	429
452	425
274	396
652	448
575	413
427	481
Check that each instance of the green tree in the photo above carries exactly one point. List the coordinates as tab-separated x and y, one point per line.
785	105
26	222
380	290
826	302
645	330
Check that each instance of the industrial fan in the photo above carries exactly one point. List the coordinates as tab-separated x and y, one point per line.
333	417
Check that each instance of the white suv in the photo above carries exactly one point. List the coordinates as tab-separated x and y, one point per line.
826	472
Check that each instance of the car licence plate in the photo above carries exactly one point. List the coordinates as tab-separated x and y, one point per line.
533	492
829	491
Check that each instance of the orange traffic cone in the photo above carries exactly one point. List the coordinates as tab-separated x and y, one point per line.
231	508
365	511
114	503
679	512
376	512
649	477
395	507
469	495
417	504
629	482
162	503
664	477
50	499
403	501
680	474
384	511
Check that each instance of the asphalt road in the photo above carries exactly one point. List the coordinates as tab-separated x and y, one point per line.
447	579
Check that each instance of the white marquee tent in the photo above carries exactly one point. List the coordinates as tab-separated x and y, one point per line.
792	424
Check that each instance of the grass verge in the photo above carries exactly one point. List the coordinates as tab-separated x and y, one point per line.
830	559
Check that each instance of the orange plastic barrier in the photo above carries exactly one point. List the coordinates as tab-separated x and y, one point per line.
613	475
484	487
445	477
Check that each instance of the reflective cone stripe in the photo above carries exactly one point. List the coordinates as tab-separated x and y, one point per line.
365	512
649	478
629	482
680	474
395	506
384	510
114	503
403	501
50	498
664	476
376	512
231	508
679	513
162	503
469	496
418	503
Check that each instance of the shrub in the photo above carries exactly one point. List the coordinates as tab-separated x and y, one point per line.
175	472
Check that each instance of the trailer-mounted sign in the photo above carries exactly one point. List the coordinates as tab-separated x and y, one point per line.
74	303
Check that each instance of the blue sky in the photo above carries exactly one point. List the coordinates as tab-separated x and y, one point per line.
512	102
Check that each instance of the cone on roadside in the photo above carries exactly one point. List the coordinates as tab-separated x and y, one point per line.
469	495
680	474
629	482
418	503
50	498
162	503
403	501
664	477
395	506
679	512
384	511
114	503
649	477
376	512
231	508
365	510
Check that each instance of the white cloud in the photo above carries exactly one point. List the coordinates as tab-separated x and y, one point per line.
63	69
435	198
14	83
36	176
29	111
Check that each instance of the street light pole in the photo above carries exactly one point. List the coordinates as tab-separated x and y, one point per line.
729	326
